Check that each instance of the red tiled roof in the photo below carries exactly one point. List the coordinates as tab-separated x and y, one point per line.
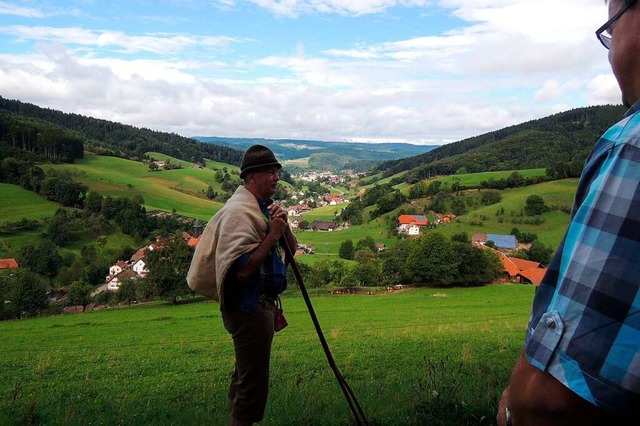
8	263
408	219
508	264
524	264
534	275
481	238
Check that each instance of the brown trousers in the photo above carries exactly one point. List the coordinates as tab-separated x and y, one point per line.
252	334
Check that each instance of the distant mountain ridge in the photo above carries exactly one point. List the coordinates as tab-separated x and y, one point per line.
566	137
327	155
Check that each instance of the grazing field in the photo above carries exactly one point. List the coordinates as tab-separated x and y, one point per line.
484	219
414	357
179	189
470	180
17	203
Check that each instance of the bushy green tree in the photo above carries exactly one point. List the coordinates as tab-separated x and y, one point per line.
42	258
127	291
93	202
534	205
490	196
458	206
168	267
366	242
79	293
538	252
321	274
432	260
477	266
394	263
22	294
211	194
346	250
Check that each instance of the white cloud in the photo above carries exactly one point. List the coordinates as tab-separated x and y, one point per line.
26	12
157	43
603	89
510	62
345	7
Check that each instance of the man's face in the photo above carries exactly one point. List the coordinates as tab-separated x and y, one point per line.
265	182
624	54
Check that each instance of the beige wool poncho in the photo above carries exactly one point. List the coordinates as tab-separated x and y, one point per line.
236	229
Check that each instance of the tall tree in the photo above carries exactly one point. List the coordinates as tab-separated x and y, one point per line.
346	250
22	293
168	267
432	260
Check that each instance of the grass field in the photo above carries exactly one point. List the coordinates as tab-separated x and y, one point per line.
179	189
17	203
554	193
427	356
471	180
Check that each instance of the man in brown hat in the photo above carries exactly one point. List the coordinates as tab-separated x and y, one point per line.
239	262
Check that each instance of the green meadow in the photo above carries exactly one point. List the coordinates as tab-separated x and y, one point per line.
414	357
558	193
179	189
182	190
470	180
17	203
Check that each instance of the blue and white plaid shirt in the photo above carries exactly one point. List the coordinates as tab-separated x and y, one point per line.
585	321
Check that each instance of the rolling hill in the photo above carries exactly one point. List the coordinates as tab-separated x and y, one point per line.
565	137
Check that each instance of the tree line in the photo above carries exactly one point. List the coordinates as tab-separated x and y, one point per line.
105	137
33	139
566	137
430	260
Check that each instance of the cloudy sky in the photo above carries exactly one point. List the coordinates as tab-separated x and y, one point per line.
418	71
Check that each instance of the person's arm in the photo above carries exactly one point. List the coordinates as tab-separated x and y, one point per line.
535	397
277	227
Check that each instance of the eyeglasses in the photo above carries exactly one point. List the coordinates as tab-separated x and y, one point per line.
604	32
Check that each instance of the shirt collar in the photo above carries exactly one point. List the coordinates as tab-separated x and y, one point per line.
264	203
634	108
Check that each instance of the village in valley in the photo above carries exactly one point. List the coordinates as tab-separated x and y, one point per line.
299	204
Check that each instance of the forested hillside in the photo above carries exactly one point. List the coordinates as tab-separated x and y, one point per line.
42	131
565	138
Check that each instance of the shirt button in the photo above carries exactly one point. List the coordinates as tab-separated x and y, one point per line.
551	323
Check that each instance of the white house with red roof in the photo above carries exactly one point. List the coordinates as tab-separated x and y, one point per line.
118	267
410	223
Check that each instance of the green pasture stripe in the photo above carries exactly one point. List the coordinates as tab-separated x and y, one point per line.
167	365
17	203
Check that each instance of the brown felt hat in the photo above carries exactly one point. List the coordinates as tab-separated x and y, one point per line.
257	157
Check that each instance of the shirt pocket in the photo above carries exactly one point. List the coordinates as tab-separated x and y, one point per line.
545	339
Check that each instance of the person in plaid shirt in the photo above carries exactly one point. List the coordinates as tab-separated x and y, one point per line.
581	359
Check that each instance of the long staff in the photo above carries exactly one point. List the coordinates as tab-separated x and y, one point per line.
348	393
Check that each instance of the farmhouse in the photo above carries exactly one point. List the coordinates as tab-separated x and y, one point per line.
521	270
333	199
410	224
323	225
295	222
118	267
